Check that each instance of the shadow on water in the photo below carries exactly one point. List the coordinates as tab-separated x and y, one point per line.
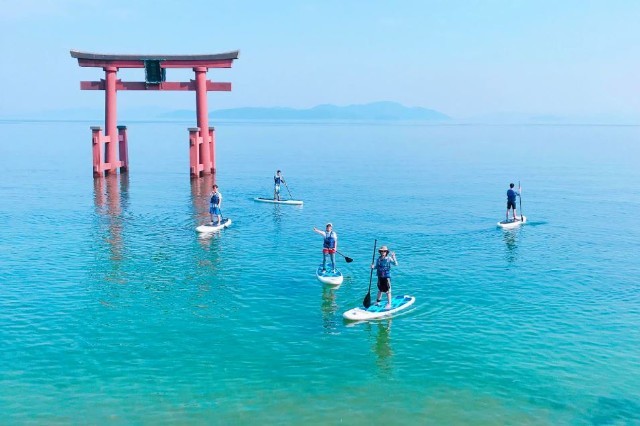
111	199
329	308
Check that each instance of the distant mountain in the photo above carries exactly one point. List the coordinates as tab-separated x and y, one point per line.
372	111
377	111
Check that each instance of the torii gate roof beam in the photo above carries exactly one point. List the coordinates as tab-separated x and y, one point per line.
218	60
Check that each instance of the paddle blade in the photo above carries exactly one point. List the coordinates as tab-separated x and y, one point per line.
367	301
348	259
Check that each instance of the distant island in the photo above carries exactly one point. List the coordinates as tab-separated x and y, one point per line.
386	111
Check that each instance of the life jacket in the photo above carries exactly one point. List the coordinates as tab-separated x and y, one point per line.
329	239
277	179
384	267
215	198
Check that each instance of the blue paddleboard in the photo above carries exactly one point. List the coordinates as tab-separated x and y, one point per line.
329	277
375	311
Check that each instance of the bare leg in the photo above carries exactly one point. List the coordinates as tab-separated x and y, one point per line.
333	261
379	297
388	299
324	261
515	215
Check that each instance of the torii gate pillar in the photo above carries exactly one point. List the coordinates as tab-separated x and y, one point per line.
111	119
206	151
110	151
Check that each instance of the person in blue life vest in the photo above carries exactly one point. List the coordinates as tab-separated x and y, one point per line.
277	180
214	205
511	201
383	267
329	246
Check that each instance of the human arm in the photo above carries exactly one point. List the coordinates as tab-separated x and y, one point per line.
316	230
392	257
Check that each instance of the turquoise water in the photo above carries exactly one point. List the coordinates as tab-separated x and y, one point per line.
112	309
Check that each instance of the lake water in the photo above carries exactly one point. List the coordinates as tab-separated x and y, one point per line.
112	309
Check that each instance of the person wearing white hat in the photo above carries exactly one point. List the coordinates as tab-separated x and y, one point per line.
383	267
329	246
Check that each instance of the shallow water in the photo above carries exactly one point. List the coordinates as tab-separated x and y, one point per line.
113	309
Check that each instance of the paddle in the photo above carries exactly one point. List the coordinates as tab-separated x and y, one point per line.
520	192
347	258
367	299
287	186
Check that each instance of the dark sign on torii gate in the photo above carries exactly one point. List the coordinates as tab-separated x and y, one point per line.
110	148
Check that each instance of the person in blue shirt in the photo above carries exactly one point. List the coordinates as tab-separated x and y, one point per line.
511	201
277	180
383	268
214	205
329	246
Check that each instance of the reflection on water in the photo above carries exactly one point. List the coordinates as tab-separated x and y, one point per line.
509	237
329	308
200	190
111	198
210	242
277	216
382	344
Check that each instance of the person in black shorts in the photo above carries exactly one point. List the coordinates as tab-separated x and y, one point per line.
511	201
383	267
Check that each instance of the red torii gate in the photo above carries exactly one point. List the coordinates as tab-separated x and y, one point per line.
110	150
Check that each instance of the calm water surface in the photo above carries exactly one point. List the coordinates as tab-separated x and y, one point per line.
112	309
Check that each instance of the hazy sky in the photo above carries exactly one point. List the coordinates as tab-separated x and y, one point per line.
463	58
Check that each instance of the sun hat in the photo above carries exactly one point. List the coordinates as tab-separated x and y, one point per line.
383	248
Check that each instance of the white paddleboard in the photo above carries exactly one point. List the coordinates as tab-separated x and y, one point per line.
328	277
507	224
271	200
378	311
213	228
